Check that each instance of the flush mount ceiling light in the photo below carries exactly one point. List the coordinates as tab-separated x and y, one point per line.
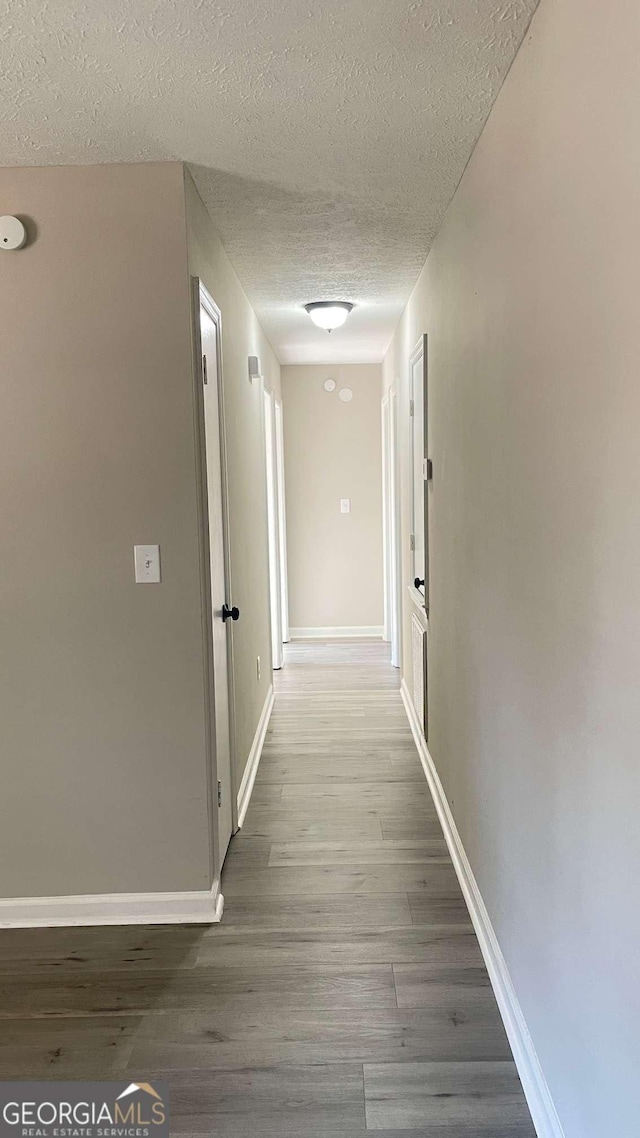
328	314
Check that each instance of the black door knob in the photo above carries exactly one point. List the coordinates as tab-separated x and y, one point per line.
234	613
417	582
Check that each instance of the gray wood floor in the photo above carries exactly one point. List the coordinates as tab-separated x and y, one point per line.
344	991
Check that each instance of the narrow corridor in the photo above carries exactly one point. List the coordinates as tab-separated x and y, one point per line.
353	994
344	990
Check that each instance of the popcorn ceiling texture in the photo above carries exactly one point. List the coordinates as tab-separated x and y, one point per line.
326	138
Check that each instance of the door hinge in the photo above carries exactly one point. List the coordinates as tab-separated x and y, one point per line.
219	794
412	543
427	469
411	408
205	378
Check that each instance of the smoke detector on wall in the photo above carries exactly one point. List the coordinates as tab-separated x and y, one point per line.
12	233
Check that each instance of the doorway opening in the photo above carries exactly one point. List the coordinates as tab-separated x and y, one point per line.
274	460
220	614
391	527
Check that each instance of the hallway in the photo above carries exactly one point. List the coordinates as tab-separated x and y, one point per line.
372	1008
320	355
344	990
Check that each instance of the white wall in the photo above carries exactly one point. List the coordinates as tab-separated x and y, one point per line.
530	299
242	336
333	451
102	722
102	730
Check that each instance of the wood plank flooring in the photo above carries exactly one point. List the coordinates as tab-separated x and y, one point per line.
344	992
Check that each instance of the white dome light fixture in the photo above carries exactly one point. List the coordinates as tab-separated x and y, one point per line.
328	314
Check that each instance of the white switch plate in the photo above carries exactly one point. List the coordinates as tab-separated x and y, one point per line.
147	563
345	505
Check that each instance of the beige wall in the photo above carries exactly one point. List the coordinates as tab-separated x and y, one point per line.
333	451
103	713
530	299
102	718
242	336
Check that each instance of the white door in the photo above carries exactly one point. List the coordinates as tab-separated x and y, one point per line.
391	516
282	524
220	624
275	585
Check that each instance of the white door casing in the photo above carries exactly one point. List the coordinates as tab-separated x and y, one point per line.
282	522
219	635
391	524
419	410
273	511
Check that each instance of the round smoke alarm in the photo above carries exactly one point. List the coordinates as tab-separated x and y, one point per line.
346	395
329	385
12	233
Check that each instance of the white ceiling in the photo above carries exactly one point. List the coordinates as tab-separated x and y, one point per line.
326	136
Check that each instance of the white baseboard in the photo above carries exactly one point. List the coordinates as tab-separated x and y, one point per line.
251	769
189	908
543	1112
338	632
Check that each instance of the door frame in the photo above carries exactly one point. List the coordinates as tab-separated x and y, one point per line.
391	527
274	524
419	461
200	297
282	520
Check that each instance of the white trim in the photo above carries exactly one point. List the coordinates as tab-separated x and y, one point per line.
543	1112
202	299
337	632
251	769
418	600
386	535
203	908
395	535
273	526
282	519
419	354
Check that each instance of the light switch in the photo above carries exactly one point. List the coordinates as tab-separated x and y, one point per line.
147	563
345	505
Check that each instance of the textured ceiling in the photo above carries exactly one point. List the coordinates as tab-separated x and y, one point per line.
326	136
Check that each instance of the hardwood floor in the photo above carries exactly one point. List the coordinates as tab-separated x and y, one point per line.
344	992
